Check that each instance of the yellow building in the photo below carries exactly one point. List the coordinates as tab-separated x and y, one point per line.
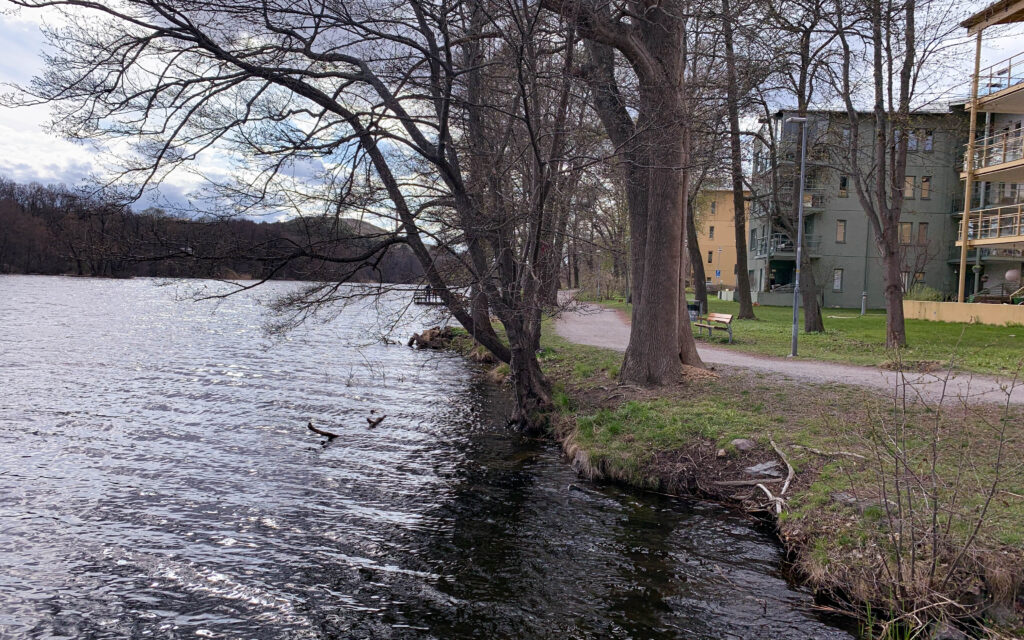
716	236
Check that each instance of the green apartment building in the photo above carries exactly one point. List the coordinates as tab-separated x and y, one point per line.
838	236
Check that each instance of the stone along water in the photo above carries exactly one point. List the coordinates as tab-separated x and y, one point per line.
158	480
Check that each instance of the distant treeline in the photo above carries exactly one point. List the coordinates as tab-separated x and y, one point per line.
56	230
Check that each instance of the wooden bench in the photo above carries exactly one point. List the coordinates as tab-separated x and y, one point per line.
721	321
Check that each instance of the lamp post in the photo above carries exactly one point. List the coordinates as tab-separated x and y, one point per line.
799	226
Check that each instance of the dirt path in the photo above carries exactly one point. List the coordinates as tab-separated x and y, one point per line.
603	327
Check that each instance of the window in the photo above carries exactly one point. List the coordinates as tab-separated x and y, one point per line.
837	279
906	232
927	140
844	186
840	231
919	278
711	255
905	277
922	233
908	187
714	207
912	141
753	236
926	187
711	232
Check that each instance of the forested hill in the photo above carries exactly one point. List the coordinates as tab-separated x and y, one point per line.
54	230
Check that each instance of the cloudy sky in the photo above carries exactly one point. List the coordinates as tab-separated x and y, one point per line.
29	153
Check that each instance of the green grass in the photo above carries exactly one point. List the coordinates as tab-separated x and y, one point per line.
629	437
855	339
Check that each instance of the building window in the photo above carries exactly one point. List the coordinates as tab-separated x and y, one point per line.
906	232
926	187
840	231
844	186
711	232
912	141
927	139
919	278
837	279
908	187
710	256
714	207
922	233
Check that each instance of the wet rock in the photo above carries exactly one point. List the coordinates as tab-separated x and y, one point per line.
946	631
722	453
1001	614
770	469
743	444
433	338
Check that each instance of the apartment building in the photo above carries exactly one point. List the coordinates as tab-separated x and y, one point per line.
716	236
839	240
990	261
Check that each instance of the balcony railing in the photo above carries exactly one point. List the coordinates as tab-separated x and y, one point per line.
1002	75
994	223
1003	147
987	253
781	243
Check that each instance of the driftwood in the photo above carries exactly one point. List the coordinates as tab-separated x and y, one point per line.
375	421
327	434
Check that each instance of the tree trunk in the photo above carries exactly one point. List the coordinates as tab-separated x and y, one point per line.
895	329
809	298
652	356
687	347
700	287
739	210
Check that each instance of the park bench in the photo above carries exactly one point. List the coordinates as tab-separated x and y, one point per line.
712	321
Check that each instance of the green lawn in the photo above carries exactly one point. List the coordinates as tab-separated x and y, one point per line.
850	337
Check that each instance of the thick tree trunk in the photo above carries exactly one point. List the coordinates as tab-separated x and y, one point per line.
652	356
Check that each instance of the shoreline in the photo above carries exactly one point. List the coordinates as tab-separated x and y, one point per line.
833	520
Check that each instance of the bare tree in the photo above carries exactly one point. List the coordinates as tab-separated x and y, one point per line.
448	121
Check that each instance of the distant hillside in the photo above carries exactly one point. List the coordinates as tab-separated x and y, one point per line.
53	230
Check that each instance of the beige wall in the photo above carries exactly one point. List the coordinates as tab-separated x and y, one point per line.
723	245
994	314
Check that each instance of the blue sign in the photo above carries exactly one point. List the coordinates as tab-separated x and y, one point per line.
718	273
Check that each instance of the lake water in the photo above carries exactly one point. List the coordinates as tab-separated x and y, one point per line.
158	480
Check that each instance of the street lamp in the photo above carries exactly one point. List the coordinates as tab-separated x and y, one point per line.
799	225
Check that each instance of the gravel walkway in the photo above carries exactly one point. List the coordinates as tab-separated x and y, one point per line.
603	327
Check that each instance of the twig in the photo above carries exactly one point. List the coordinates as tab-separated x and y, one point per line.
828	454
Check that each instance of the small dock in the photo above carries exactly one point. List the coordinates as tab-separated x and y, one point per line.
428	296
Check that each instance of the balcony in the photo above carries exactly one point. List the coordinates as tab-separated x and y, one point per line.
988	254
1001	86
995	226
999	158
780	244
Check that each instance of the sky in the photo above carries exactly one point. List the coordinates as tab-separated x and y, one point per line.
28	152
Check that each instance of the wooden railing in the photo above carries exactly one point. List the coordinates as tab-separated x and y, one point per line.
994	223
1006	146
1001	75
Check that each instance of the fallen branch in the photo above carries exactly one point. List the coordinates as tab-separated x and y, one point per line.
373	422
792	472
776	499
743	483
327	434
829	454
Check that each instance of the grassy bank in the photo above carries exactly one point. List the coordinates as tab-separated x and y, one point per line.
916	510
855	339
